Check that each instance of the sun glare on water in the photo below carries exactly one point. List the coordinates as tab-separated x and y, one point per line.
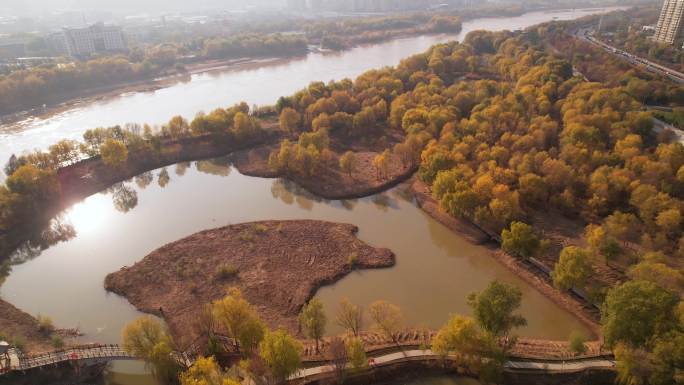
89	216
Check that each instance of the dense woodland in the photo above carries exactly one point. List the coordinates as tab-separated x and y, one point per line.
503	132
526	138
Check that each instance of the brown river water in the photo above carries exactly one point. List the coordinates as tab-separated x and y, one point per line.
435	268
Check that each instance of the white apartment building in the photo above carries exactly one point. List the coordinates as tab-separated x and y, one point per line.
89	40
669	27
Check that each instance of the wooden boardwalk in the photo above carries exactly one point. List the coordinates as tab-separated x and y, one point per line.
566	366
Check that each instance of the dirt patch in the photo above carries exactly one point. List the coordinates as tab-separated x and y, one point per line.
15	324
278	266
330	182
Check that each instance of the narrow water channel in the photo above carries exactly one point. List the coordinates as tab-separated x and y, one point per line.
435	268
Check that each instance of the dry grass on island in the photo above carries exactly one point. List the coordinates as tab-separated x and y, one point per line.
278	266
23	330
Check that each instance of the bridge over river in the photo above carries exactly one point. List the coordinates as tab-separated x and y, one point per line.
94	354
84	355
87	354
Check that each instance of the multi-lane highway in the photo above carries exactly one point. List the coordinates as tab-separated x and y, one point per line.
587	34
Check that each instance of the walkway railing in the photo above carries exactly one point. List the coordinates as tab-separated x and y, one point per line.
78	353
97	352
565	366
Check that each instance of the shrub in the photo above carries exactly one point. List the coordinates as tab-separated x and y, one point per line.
247	236
225	272
57	342
45	324
260	228
577	343
18	342
353	259
193	288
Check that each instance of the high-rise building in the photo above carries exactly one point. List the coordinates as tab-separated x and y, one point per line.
669	29
86	41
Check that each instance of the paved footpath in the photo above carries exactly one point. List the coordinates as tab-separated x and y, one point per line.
427	355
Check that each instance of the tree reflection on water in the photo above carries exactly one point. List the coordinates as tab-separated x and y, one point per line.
57	231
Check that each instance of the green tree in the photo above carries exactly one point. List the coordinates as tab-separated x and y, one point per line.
670	221
572	269
289	120
177	127
282	354
461	336
356	353
637	311
632	364
65	151
148	339
668	360
348	162
205	371
494	309
658	273
313	320
520	240
350	317
381	164
363	121
387	318
244	125
239	319
25	194
533	189
114	153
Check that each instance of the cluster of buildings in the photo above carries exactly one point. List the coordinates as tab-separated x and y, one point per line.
75	42
357	5
669	28
86	41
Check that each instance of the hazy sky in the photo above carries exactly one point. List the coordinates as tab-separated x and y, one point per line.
42	6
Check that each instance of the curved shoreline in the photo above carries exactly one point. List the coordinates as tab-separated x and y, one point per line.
277	265
542	284
197	148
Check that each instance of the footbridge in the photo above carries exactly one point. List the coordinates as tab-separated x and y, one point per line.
84	354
